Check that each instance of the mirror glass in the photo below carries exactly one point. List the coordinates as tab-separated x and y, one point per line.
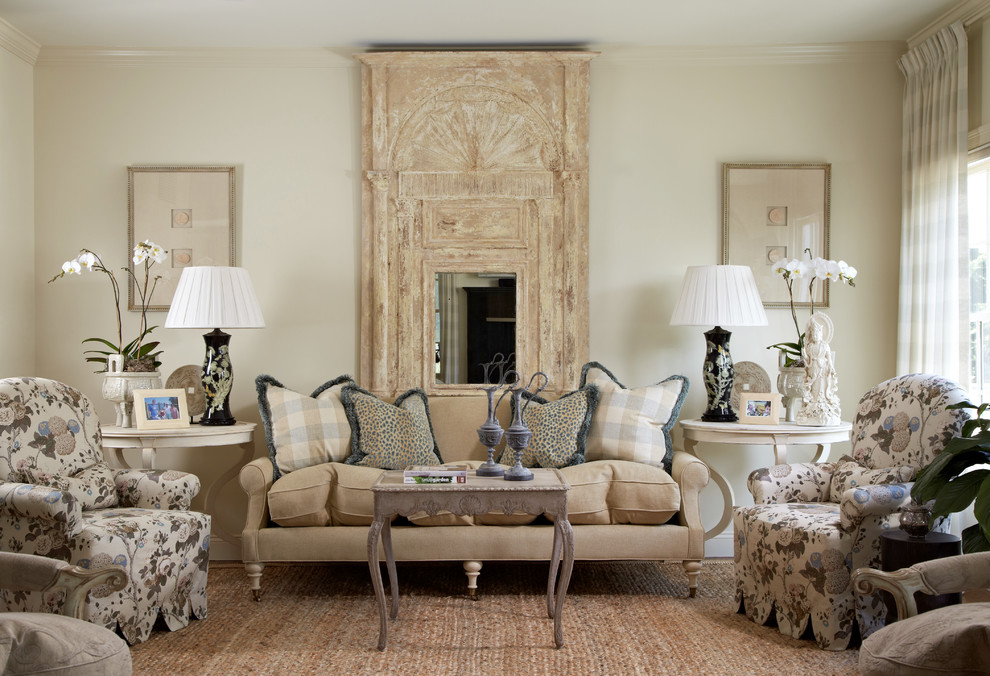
475	326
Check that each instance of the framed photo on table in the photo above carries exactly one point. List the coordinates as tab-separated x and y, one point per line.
160	409
759	408
773	211
188	211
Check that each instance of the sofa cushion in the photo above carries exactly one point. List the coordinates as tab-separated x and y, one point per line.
304	431
633	424
43	643
950	640
559	429
619	491
390	436
849	473
302	498
92	486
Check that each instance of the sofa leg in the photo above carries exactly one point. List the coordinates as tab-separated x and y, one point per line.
254	571
692	568
473	570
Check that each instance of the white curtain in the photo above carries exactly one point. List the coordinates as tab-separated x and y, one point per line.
933	322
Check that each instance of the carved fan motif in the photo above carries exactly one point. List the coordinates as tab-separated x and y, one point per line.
474	129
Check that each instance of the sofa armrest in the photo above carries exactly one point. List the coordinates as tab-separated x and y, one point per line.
797	482
28	572
155	489
691	475
55	509
876	500
256	480
950	575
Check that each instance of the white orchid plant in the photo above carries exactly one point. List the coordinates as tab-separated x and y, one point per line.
136	355
809	271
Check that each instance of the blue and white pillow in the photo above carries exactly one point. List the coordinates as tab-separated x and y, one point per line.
633	424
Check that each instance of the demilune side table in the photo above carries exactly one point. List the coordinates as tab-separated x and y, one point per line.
777	436
545	494
118	439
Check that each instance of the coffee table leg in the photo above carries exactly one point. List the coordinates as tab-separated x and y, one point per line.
554	565
393	579
376	580
567	535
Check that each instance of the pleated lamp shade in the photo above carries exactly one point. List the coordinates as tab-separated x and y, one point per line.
214	297
718	295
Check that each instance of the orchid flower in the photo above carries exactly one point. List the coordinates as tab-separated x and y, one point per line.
811	270
146	252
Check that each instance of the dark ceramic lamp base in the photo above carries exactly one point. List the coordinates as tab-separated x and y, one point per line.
218	377
718	374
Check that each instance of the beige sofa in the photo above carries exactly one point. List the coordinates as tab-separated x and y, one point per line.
620	510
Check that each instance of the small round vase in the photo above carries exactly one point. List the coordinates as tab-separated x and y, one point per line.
915	520
790	384
119	388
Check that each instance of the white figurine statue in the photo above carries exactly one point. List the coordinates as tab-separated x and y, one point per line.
821	387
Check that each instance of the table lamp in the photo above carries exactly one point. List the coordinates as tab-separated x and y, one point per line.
719	294
213	297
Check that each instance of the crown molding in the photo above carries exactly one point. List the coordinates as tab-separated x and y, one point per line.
212	58
749	55
18	44
968	12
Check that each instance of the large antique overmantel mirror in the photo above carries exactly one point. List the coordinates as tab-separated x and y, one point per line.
475	218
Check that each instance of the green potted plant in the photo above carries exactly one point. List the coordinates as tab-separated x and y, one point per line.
960	475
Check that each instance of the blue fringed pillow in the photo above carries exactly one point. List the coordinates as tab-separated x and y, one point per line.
301	430
633	424
390	436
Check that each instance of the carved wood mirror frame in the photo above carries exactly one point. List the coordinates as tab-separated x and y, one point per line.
473	162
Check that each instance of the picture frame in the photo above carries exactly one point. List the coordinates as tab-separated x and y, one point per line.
160	409
772	211
759	408
187	210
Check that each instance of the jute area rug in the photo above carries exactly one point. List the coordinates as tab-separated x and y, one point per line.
619	618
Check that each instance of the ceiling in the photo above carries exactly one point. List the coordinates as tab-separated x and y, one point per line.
296	24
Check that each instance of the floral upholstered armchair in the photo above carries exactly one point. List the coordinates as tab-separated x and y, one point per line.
815	523
59	499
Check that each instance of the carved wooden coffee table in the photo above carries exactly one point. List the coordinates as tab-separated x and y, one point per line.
545	494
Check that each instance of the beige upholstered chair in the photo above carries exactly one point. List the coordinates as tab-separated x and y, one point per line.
954	639
58	498
34	643
814	523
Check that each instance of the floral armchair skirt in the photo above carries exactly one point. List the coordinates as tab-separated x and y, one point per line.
795	561
165	553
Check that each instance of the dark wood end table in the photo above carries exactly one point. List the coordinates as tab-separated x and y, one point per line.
900	550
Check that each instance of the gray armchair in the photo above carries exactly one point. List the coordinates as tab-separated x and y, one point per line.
954	639
32	643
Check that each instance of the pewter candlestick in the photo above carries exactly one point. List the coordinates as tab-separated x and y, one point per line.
518	435
491	432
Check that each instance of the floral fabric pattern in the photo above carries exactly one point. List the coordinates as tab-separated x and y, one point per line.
50	433
851	474
813	525
800	482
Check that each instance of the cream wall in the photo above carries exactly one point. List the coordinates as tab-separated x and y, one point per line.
17	237
662	122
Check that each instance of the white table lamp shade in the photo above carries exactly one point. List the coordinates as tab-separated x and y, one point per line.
214	297
718	295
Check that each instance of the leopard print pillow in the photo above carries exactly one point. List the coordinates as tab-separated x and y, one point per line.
389	436
560	429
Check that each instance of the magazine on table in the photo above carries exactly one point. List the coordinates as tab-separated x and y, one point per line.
435	474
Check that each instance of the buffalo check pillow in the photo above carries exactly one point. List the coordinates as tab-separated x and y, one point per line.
633	424
302	430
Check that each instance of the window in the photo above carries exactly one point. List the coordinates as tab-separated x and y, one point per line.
979	244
